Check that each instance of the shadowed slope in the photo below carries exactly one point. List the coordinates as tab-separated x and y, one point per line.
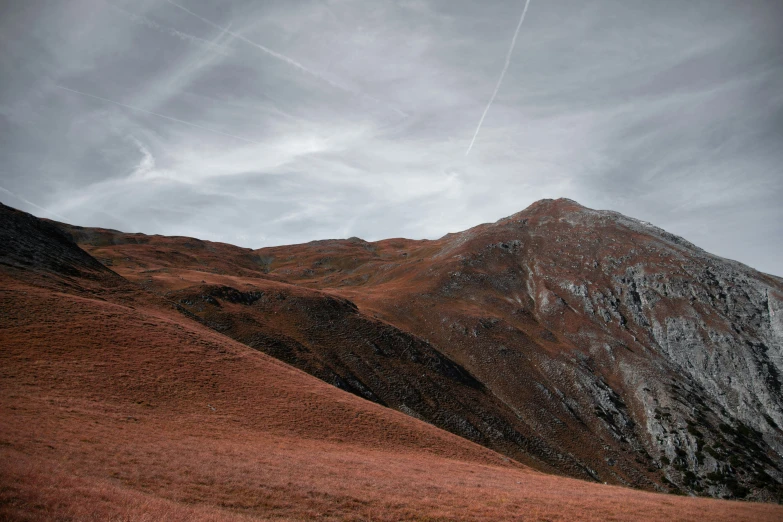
30	246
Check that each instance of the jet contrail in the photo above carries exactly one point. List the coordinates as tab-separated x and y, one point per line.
185	37
23	200
160	115
286	59
502	75
267	50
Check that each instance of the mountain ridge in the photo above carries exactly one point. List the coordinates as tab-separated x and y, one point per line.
118	403
593	318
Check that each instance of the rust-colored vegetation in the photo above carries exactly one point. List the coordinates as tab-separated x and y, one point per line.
114	405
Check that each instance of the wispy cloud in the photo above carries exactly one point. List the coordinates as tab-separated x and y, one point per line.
288	60
186	37
263	48
30	203
170	118
146	164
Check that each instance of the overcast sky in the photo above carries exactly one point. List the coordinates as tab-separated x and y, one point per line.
282	121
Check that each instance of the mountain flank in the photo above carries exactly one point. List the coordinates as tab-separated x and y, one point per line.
577	341
168	377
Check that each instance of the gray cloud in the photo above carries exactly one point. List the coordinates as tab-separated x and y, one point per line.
260	123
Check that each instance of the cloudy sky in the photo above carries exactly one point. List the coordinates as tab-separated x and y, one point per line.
281	121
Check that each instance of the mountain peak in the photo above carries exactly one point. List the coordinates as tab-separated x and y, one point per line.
559	203
547	207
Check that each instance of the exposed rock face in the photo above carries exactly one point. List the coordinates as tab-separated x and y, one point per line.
577	340
691	342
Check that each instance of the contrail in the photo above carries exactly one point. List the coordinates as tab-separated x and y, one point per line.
23	200
502	75
160	115
267	50
286	59
189	38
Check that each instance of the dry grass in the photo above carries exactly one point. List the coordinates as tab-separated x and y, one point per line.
113	411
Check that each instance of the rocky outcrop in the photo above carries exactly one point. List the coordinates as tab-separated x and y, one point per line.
701	348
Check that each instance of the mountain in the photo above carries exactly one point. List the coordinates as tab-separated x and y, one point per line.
575	341
134	384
